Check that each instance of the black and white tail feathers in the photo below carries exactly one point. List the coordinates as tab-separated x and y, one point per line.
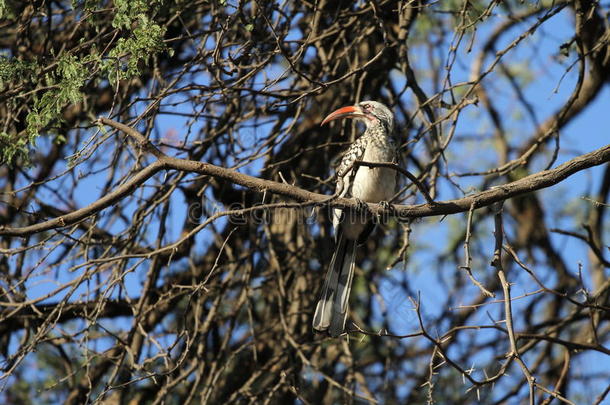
331	311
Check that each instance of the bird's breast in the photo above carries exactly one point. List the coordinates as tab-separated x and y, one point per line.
375	184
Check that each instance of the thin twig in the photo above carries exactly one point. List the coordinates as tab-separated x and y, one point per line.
497	263
467	258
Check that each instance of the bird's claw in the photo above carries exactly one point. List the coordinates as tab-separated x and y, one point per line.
386	207
362	206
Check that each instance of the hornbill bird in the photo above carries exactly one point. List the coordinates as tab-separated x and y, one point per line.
366	184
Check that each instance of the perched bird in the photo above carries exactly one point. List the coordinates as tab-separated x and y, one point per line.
375	185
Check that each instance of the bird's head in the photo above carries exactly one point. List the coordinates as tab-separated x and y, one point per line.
372	113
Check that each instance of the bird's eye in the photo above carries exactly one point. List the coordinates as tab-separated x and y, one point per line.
366	107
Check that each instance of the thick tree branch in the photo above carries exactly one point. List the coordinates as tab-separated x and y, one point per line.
485	198
36	313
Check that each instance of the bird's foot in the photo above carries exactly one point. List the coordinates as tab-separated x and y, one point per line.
362	206
385	205
387	209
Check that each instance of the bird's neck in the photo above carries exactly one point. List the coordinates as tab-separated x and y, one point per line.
376	130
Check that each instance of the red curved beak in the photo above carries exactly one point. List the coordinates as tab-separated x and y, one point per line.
350	111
